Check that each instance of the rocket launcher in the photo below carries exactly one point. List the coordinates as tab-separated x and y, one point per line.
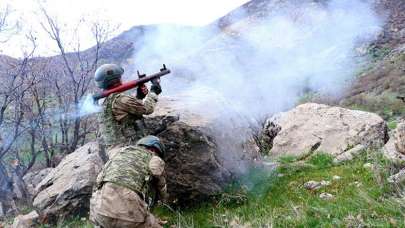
132	84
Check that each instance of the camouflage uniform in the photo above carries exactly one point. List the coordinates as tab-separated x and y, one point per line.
126	181
121	121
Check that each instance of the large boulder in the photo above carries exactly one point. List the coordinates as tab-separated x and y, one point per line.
394	149
399	137
314	127
193	170
32	179
66	190
26	221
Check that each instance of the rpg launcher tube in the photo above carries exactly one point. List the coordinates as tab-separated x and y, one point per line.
131	84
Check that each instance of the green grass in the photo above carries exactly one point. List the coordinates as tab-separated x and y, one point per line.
74	222
278	199
392	124
386	104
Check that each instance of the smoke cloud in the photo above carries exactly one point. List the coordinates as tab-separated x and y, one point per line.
260	65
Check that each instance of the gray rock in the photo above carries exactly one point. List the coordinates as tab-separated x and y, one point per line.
368	166
32	179
313	127
391	153
398	178
350	154
66	190
315	185
325	183
312	185
399	137
326	196
336	177
26	221
194	171
192	166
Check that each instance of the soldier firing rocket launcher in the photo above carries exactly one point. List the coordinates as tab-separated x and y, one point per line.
143	78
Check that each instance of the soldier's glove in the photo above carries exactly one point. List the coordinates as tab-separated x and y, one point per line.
155	87
141	91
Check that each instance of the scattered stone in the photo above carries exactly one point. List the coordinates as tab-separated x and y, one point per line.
368	166
26	221
356	183
398	178
315	185
350	154
310	127
312	185
336	177
325	183
326	196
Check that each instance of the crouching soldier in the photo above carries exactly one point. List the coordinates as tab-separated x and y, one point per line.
126	185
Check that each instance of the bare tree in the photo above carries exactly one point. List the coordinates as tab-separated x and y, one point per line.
78	68
7	28
16	83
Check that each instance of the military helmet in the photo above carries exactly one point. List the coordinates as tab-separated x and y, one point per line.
108	75
152	141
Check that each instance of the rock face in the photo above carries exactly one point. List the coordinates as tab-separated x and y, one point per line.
315	127
67	189
32	179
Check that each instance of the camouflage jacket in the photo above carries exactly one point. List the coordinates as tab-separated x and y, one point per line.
121	120
135	168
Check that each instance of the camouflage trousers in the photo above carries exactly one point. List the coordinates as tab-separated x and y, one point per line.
115	206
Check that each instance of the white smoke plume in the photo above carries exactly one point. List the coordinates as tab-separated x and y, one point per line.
260	66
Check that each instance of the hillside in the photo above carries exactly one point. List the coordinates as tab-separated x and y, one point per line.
378	85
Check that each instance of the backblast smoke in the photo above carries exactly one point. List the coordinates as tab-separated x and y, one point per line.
238	75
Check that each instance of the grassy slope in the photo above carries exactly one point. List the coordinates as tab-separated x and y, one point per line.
278	199
376	88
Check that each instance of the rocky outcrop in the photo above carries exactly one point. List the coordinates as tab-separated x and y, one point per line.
313	127
32	179
67	189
